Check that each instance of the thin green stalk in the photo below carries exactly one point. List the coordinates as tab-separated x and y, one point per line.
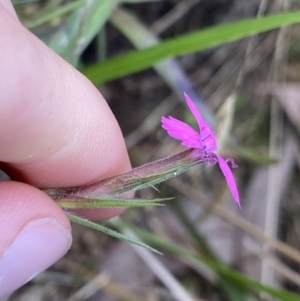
64	9
111	203
234	276
200	40
81	221
190	228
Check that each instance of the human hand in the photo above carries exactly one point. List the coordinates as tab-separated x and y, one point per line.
56	131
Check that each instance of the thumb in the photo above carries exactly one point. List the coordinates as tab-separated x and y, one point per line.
7	5
34	234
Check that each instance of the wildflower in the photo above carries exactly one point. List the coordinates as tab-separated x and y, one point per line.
205	142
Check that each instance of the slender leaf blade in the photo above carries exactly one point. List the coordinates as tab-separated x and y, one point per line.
64	9
81	221
200	40
80	28
230	274
109	203
169	70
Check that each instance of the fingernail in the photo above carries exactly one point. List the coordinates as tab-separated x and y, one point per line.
40	244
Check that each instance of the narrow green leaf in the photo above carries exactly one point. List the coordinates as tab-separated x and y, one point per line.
230	274
81	221
140	1
169	70
230	290
21	2
109	203
189	43
80	28
64	9
254	156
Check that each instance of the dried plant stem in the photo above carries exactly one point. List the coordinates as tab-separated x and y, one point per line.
160	271
275	182
244	225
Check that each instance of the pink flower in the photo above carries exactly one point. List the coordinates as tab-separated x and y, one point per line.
205	141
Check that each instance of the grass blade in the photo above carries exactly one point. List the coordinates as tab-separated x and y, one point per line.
109	203
64	9
81	221
200	40
169	70
80	28
230	274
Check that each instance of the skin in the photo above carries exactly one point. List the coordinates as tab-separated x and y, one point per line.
56	130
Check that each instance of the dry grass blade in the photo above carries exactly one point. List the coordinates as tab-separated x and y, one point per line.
151	121
90	288
246	64
288	96
287	272
225	117
275	183
239	222
162	273
173	16
110	287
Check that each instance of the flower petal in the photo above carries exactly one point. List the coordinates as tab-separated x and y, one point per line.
181	131
207	134
195	112
208	139
230	179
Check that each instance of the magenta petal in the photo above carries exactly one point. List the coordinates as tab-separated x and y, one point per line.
207	134
195	112
208	139
230	179
181	131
